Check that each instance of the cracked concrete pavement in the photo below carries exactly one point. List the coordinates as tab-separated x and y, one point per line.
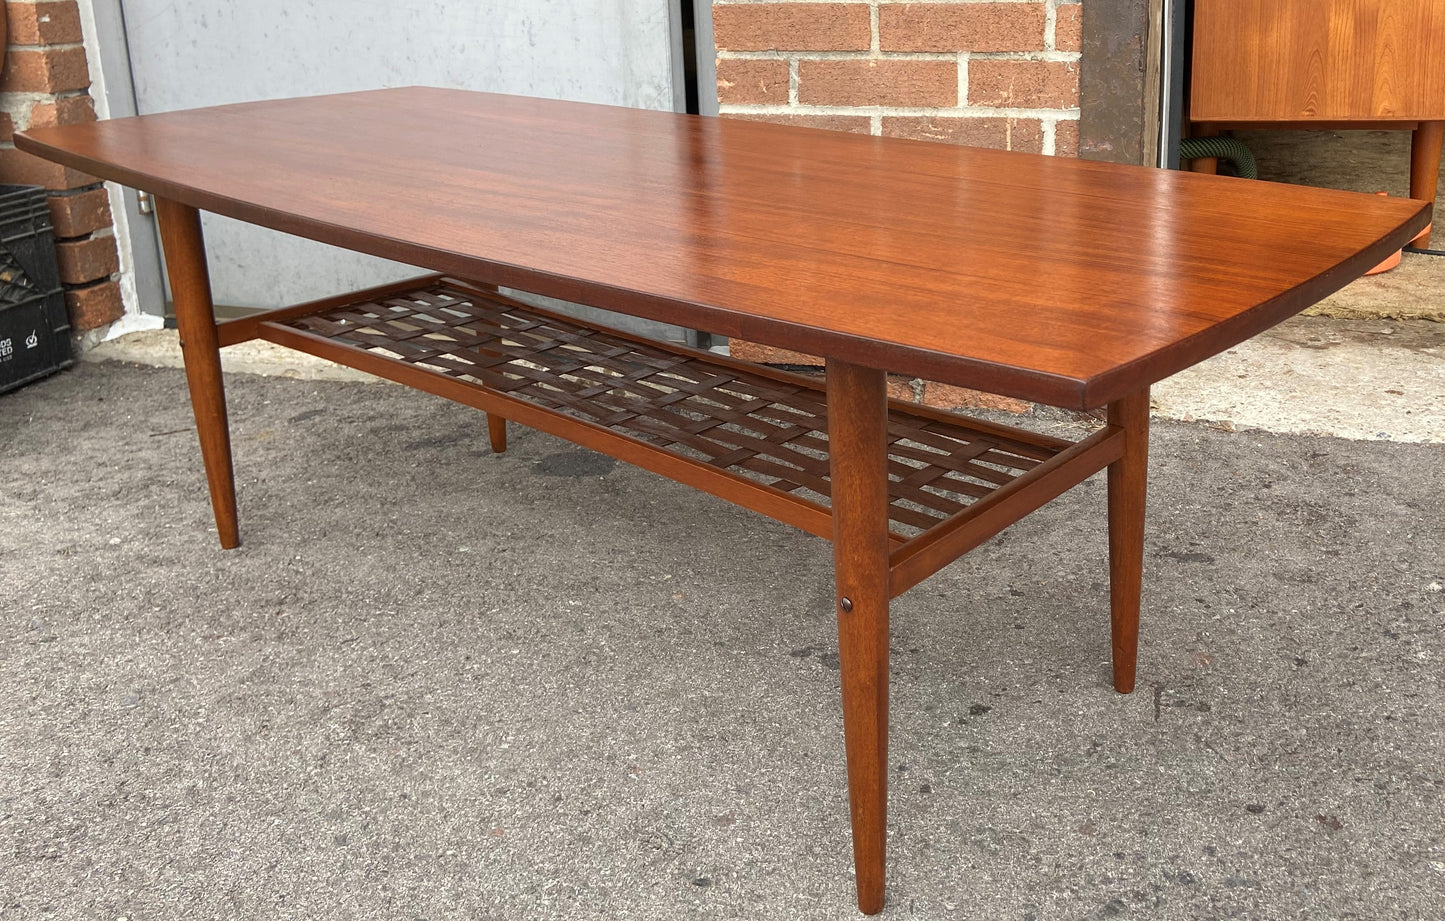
436	682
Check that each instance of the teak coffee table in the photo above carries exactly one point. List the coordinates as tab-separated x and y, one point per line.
1065	282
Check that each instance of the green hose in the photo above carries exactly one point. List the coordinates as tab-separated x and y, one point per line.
1225	148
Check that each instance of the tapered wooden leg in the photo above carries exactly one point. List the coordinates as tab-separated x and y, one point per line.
1128	477
1425	146
497	431
185	253
857	440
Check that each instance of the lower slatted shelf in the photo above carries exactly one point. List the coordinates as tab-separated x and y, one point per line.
766	430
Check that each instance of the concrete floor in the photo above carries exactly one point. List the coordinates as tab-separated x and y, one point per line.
440	683
1368	379
1413	291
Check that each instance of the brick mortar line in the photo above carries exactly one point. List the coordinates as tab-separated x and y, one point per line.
963	75
20	97
1048	57
1056	115
106	231
1055	57
875	30
69	286
59	46
78	190
81	239
870	2
806	55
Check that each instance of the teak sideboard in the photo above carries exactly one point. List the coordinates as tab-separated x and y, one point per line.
1324	64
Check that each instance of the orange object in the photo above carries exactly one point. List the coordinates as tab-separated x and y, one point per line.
1394	259
1423	240
1387	265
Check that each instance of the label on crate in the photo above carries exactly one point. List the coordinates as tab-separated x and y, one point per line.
31	346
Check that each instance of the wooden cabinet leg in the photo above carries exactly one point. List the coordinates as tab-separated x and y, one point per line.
857	440
1128	477
497	432
1425	146
1209	165
185	252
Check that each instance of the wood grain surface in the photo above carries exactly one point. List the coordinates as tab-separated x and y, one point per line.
858	460
1325	60
1048	279
180	229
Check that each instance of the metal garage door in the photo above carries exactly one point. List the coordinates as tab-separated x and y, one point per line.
209	52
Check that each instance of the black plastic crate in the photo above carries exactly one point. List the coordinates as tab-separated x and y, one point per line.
34	328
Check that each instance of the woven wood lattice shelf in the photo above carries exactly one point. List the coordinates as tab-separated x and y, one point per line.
768	428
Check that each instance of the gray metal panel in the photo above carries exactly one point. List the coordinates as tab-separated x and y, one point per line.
706	58
209	52
1172	96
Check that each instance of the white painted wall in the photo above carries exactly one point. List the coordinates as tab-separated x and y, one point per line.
209	52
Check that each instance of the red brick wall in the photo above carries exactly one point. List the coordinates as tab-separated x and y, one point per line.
45	82
985	73
988	73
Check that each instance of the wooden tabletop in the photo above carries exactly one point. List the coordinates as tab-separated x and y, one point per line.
1050	279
